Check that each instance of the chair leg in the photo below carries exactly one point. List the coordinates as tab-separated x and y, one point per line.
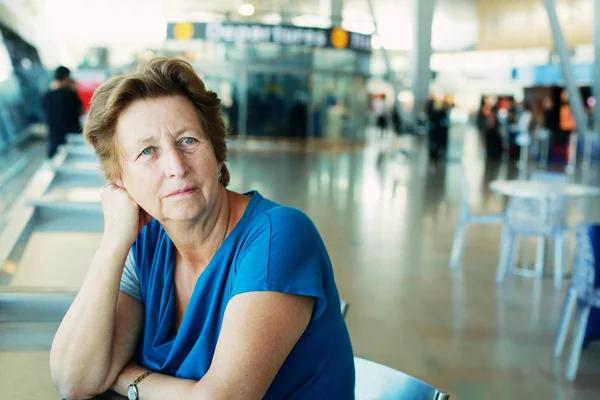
559	259
515	246
573	363
565	321
540	255
458	245
506	253
525	253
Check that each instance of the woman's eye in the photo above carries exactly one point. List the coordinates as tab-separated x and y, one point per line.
147	151
188	140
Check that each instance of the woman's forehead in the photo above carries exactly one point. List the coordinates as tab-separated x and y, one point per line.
153	117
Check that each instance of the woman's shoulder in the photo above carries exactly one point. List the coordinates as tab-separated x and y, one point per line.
279	217
282	228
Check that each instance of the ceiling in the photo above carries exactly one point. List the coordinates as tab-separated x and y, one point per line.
455	21
108	21
458	24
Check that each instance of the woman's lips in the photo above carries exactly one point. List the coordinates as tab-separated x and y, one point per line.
182	192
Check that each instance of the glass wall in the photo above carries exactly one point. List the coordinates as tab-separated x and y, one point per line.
22	82
283	91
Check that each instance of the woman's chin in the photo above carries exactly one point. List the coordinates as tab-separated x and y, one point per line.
181	215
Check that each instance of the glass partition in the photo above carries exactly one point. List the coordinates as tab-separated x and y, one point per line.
276	90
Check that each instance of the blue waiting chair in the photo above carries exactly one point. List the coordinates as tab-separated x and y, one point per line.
378	382
582	291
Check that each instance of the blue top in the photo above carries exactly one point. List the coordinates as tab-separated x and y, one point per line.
272	248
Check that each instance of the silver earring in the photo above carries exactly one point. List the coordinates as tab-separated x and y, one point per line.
220	176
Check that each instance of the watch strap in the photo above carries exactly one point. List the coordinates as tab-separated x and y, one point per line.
142	376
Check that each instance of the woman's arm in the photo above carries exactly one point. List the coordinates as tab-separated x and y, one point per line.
259	331
98	335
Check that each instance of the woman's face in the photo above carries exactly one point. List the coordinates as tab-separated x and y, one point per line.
168	163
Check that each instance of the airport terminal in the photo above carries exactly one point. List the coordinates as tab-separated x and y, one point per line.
304	199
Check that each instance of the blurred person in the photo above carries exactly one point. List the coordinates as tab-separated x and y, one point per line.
548	128
62	108
447	105
524	122
195	291
551	116
482	119
381	119
524	127
513	113
566	124
438	130
297	117
493	137
396	120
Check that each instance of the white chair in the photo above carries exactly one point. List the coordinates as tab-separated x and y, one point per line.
583	292
466	218
378	382
540	218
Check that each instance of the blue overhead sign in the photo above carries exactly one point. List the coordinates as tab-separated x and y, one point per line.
551	74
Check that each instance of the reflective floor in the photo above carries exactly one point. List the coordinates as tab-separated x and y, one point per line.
388	223
23	161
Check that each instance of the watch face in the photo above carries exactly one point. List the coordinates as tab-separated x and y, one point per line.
132	393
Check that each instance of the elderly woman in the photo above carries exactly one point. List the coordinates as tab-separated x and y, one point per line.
196	292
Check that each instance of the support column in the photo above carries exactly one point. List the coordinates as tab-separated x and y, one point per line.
575	99
421	53
390	72
286	12
243	104
337	8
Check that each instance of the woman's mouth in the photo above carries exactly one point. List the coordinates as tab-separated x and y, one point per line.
182	192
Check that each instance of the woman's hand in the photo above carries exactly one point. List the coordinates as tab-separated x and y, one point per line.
123	218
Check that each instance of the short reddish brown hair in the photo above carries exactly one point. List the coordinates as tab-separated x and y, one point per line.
156	78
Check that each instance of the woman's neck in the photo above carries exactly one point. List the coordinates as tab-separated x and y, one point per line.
197	241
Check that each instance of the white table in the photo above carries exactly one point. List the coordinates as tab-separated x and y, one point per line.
541	190
546	192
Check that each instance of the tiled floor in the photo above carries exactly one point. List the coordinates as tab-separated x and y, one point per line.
388	224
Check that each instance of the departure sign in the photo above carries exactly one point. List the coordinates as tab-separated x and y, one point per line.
337	38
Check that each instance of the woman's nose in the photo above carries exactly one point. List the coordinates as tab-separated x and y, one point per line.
174	163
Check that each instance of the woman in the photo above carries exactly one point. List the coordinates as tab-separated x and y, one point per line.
195	291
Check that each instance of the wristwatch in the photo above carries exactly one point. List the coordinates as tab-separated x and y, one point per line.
132	390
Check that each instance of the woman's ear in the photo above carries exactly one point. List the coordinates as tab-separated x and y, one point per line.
119	182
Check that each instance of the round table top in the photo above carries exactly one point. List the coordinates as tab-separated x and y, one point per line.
533	189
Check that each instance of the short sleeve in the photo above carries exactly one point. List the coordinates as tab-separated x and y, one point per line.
130	282
283	252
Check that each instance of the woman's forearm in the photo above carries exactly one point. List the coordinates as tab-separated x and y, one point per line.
80	358
155	386
164	387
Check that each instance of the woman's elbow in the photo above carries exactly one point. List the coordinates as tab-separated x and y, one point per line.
73	390
73	383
